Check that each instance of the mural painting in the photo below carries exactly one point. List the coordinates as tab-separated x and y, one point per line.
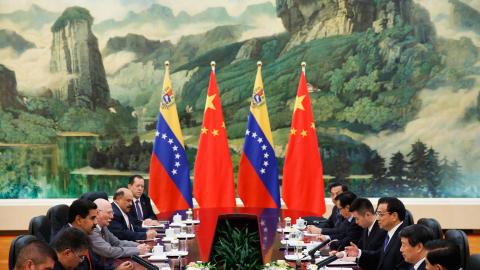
394	86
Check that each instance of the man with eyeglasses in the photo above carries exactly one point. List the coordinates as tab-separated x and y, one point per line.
107	245
390	216
332	224
71	245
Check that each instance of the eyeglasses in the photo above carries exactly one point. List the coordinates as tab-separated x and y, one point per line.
381	214
80	257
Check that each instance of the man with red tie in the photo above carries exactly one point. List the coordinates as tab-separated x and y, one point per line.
123	223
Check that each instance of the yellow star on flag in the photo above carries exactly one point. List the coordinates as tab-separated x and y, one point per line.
303	133
223	124
209	104
298	103
215	132
204	130
312	125
293	131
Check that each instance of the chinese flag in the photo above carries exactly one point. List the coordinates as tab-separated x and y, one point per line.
302	171
213	174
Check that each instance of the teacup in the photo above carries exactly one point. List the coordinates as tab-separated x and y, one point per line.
177	218
288	222
301	223
157	250
170	232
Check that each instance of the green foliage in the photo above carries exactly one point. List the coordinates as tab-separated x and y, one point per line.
72	14
22	127
237	248
366	112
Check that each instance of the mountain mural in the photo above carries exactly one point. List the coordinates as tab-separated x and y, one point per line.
395	95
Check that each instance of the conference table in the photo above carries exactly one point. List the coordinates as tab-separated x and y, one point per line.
270	220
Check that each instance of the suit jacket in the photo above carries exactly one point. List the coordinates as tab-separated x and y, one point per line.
372	241
421	266
109	246
147	209
391	258
119	227
332	226
348	232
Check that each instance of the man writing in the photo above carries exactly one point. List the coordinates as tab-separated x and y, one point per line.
372	236
122	224
107	245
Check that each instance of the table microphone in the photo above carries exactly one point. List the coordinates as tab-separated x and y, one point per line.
319	246
144	263
330	259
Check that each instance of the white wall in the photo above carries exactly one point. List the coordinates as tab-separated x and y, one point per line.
453	213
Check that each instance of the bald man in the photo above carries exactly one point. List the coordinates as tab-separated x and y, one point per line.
122	224
107	245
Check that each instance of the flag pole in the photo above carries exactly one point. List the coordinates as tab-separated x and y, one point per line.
212	64
304	64
259	64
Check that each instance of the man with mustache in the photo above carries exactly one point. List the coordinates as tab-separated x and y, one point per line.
123	223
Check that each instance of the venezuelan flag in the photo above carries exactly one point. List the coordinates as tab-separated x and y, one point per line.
258	172
169	185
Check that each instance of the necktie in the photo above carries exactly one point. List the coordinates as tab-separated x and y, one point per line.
89	261
385	243
139	210
102	232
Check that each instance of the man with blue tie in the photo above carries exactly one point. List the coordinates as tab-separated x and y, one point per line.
122	224
390	215
413	239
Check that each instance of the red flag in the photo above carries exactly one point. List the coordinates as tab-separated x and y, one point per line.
213	175
302	171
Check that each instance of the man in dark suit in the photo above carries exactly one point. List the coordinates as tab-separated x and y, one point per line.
142	209
122	224
335	218
35	255
372	236
348	231
390	215
413	239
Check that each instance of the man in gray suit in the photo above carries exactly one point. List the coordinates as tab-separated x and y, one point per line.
107	245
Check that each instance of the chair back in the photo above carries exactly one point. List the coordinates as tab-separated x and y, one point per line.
58	216
93	195
473	262
461	240
408	218
40	227
15	246
434	225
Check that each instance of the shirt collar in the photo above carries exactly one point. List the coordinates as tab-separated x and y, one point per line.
393	230
418	263
371	226
125	216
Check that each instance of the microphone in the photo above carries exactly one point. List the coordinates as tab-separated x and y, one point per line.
327	261
144	263
319	246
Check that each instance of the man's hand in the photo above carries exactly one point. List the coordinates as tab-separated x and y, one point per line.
322	238
314	229
352	250
128	265
143	248
151	234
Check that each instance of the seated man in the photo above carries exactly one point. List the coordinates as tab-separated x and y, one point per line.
142	208
348	231
35	255
71	245
442	254
122	225
413	239
372	236
104	243
390	215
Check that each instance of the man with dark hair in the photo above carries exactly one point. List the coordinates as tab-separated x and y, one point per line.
413	239
82	214
142	209
442	254
71	245
35	255
390	215
122	225
335	218
348	231
372	236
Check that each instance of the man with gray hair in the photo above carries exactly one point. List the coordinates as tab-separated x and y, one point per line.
107	245
122	224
